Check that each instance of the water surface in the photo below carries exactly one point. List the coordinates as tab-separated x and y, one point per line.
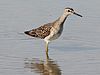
76	52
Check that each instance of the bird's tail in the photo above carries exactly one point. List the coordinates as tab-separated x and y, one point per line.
31	33
27	32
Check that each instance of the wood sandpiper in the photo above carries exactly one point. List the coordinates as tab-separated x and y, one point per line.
53	30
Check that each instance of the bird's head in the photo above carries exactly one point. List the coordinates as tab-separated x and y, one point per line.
69	11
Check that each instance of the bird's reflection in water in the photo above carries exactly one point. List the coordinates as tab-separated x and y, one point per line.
46	67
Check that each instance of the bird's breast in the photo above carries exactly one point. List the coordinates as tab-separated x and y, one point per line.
55	33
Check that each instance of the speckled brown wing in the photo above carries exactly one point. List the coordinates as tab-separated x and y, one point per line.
40	32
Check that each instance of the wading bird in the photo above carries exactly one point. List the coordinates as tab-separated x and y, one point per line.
53	30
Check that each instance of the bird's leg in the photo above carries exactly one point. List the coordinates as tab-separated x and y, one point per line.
47	48
47	56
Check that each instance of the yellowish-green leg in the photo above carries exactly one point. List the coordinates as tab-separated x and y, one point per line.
47	48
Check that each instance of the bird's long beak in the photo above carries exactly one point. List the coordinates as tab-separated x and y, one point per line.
77	14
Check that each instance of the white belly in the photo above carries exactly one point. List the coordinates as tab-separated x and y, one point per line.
54	37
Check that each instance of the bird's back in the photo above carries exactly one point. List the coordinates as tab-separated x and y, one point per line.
40	32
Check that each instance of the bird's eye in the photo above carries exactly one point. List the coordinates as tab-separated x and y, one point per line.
69	11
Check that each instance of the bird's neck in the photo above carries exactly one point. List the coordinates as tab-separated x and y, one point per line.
62	18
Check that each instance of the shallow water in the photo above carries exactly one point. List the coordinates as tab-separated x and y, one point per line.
76	52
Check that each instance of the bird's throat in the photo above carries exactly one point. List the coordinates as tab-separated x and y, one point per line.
62	19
